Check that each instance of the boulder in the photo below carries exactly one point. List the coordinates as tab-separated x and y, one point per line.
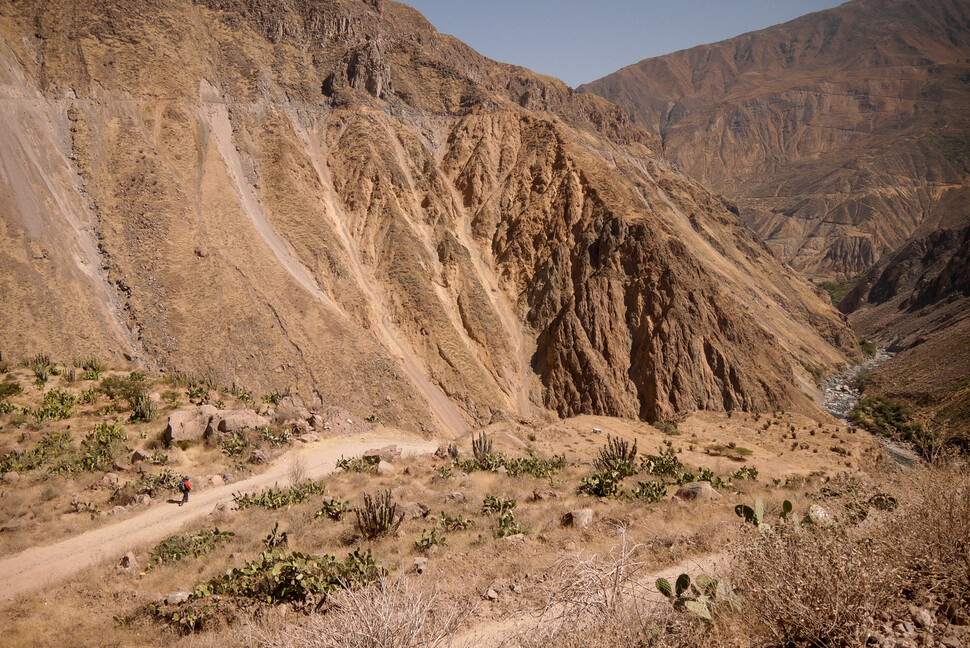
118	510
456	496
230	421
420	565
413	510
217	480
127	562
292	407
138	456
491	595
188	425
387	453
258	457
543	495
384	469
174	598
697	491
110	479
316	422
580	518
308	438
11	477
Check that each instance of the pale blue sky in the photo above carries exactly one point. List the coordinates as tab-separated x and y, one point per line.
582	40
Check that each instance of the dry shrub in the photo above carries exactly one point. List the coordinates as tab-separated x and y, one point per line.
390	614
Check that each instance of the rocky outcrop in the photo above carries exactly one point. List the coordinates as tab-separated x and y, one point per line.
186	426
838	132
391	222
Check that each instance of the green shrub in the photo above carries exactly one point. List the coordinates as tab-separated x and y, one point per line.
601	484
284	437
651	491
515	466
494	504
868	348
506	525
481	448
272	398
275	498
880	415
715	481
98	449
236	444
665	464
153	484
276	538
158	458
89	396
58	405
49	449
453	522
175	548
429	539
377	516
334	509
358	464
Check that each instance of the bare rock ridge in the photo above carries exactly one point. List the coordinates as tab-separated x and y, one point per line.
839	133
334	198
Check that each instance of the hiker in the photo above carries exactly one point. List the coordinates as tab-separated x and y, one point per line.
185	487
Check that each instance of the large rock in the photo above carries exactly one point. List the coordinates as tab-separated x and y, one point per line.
189	425
292	407
580	518
175	598
225	423
413	510
697	491
387	453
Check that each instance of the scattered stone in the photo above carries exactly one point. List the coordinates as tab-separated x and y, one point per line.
952	642
441	452
119	466
138	456
174	598
316	422
580	518
819	514
217	480
491	595
456	496
225	423
310	437
389	453
299	426
128	562
697	491
221	508
202	251
146	500
292	407
420	565
110	479
922	617
13	527
502	470
118	510
11	477
515	589
258	457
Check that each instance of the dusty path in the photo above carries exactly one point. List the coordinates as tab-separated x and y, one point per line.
38	567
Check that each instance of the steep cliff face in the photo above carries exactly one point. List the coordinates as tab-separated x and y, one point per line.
837	132
332	196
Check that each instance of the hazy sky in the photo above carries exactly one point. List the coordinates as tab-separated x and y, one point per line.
582	40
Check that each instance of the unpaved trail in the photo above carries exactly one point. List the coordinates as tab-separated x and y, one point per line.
38	567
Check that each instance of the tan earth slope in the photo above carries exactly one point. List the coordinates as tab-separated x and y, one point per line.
333	197
840	133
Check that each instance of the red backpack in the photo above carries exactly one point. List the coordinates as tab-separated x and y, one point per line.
185	485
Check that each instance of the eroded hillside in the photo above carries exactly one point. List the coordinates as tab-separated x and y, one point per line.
840	132
333	197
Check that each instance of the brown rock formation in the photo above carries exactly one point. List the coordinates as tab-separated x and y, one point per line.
388	218
838	132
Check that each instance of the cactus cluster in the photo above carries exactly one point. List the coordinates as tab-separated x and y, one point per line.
699	597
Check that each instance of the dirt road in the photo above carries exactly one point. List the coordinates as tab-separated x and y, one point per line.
38	567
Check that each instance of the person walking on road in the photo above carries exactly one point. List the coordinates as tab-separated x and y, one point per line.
185	487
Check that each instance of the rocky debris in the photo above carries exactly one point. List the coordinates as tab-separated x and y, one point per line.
420	565
12	527
10	477
174	598
299	426
697	491
110	479
222	508
217	480
819	514
128	562
389	453
337	420
310	437
258	457
188	425
456	496
580	518
138	456
384	468
118	510
490	595
838	394
413	510
119	466
145	500
543	495
202	251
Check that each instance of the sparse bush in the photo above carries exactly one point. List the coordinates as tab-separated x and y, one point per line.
284	437
882	416
358	464
481	448
197	544
158	458
153	484
143	409
276	538
377	516
746	472
236	444
506	525
868	348
172	397
9	389
272	398
453	522
618	456
58	405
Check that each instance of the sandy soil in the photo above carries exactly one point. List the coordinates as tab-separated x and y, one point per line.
40	566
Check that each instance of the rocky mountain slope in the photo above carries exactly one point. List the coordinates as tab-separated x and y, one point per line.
840	133
333	197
